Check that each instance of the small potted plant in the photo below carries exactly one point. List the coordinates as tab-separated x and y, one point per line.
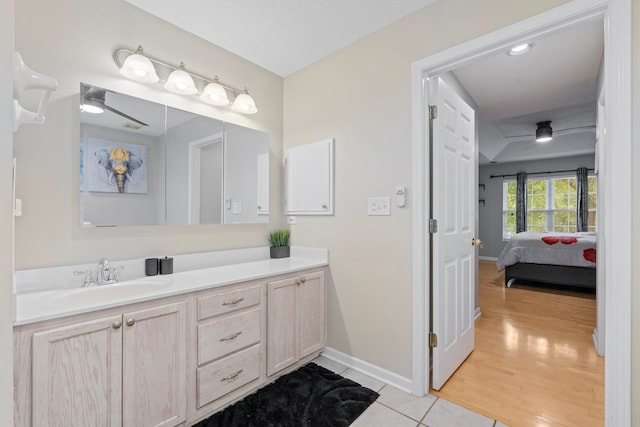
279	241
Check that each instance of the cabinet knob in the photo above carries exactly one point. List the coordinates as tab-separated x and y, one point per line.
298	282
303	280
131	322
116	324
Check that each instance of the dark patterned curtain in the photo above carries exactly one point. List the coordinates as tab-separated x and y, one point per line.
582	199
521	202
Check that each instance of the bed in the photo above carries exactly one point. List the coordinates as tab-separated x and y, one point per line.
554	258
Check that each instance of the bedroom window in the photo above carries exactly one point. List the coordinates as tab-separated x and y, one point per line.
551	205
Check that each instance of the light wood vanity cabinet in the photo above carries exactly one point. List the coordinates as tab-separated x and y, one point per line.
296	320
119	370
167	362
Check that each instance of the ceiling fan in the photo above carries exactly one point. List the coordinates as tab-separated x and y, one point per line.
544	132
93	101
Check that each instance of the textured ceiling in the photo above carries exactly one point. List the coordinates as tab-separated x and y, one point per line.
282	36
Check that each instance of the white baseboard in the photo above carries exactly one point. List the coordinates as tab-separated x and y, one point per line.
488	258
477	313
370	369
596	340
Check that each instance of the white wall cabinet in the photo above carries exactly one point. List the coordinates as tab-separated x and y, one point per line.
309	179
120	370
296	320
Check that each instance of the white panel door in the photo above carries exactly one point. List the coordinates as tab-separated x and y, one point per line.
454	207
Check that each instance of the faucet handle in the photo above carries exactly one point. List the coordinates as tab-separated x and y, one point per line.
112	273
88	278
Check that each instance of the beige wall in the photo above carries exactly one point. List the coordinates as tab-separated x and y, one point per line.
6	213
361	96
73	41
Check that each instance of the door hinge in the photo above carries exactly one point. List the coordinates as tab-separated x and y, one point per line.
433	340
433	225
433	112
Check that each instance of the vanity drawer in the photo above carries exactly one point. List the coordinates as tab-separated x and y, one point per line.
226	335
224	376
227	302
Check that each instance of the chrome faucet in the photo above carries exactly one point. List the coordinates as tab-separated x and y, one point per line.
105	275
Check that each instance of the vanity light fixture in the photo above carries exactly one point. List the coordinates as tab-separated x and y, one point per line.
181	82
143	67
214	94
520	49
244	103
138	67
544	133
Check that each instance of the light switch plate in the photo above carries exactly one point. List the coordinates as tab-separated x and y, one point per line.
379	206
236	208
291	220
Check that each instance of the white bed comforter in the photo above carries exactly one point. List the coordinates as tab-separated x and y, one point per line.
575	249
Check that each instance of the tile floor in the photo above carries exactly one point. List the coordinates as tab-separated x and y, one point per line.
395	408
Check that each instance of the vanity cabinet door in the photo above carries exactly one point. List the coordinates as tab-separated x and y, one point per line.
77	374
154	366
311	318
296	320
282	325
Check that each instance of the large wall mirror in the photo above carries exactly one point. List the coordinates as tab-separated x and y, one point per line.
143	163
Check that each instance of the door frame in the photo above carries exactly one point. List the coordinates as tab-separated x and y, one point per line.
193	184
617	83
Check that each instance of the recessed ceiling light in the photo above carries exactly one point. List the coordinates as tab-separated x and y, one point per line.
520	49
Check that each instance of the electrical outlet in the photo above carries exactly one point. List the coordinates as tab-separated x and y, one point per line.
291	220
378	206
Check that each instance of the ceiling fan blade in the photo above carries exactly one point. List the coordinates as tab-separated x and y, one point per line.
518	136
578	129
120	113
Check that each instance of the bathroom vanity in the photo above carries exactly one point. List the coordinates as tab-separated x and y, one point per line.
170	351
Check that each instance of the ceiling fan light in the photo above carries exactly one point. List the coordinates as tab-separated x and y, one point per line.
181	82
139	68
520	49
244	103
544	133
215	94
92	106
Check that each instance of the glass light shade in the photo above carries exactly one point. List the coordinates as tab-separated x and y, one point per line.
181	82
138	67
244	104
214	94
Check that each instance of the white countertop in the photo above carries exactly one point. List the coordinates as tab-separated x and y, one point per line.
37	306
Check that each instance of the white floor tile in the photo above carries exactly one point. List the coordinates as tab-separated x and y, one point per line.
447	414
363	380
405	403
378	415
329	364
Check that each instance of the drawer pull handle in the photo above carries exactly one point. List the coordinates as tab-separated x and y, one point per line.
230	337
233	302
232	376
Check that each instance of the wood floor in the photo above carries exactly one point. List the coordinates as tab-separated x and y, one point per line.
534	363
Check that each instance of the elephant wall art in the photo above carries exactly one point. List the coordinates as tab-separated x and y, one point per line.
115	167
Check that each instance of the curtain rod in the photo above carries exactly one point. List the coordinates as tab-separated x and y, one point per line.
537	173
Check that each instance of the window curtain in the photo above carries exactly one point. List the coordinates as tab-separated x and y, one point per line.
521	202
582	199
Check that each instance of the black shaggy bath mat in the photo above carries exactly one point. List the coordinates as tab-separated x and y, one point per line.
310	396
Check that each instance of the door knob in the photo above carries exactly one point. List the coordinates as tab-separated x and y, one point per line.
476	242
